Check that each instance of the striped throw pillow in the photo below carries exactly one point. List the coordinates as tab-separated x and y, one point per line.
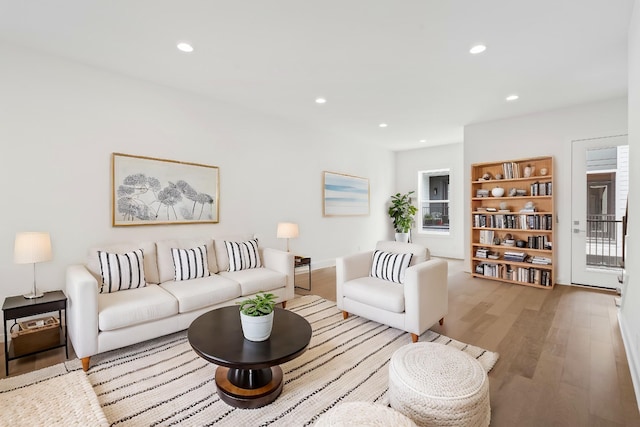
190	263
121	271
390	266
243	255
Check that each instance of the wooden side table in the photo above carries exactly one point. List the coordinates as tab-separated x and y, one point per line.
17	307
302	261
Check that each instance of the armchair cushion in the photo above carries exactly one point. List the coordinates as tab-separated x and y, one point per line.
420	253
389	266
374	292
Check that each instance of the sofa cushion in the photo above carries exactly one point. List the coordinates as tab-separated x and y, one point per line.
190	263
243	255
256	279
222	259
121	271
375	292
203	292
420	253
121	309
389	266
166	269
148	248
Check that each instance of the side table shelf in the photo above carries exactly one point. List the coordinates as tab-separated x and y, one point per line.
17	307
302	261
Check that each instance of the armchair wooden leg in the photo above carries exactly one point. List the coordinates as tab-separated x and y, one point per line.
345	314
414	337
85	363
284	305
441	321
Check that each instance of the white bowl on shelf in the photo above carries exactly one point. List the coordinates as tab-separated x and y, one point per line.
497	192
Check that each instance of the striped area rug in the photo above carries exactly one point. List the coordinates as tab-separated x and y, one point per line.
163	382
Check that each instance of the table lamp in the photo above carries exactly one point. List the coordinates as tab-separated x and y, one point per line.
31	248
287	230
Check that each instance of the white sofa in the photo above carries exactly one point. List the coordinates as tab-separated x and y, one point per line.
99	322
413	306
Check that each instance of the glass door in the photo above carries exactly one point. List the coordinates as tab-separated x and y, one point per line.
600	184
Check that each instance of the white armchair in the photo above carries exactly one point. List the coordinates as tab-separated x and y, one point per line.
412	306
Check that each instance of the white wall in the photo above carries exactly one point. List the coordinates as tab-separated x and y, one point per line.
630	310
547	133
60	122
408	164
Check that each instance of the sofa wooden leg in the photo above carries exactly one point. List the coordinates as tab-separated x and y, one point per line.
284	305
345	314
414	337
441	321
85	363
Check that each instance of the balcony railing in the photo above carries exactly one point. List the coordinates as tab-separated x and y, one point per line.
605	244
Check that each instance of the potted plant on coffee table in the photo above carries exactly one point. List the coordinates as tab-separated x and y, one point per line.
402	212
256	316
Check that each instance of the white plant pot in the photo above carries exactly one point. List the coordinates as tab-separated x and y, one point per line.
402	237
256	328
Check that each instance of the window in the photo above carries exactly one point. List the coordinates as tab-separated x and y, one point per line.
433	200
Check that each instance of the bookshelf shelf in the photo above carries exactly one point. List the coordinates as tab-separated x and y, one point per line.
523	215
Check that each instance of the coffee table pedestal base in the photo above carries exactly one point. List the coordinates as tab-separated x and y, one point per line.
248	388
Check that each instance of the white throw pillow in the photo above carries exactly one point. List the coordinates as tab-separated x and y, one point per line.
121	271
390	266
190	263
243	255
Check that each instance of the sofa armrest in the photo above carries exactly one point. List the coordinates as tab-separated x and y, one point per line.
351	267
426	296
282	262
82	310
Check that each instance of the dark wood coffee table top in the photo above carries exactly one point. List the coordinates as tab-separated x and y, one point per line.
217	337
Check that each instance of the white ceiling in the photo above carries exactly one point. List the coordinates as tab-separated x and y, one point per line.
402	62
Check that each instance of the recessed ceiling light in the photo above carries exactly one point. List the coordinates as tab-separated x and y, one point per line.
185	47
423	140
321	101
479	48
383	125
512	97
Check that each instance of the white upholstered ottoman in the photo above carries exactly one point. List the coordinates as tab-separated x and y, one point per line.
362	414
436	385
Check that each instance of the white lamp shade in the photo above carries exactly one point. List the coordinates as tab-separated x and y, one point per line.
32	247
287	230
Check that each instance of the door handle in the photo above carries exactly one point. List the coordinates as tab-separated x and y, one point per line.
577	230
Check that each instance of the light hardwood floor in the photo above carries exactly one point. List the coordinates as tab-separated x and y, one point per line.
562	361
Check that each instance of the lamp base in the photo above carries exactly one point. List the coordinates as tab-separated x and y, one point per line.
32	295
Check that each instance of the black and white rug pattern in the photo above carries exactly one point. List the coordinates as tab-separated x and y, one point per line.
162	382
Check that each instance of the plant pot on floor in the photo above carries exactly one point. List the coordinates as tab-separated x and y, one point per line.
256	328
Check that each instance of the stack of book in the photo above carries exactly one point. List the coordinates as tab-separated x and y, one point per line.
541	260
515	256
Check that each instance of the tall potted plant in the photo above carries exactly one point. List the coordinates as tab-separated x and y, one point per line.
402	212
256	316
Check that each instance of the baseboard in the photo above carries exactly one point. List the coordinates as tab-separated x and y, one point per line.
632	358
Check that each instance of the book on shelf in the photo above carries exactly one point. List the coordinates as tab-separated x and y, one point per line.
486	237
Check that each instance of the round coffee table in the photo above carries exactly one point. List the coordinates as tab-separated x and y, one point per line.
248	375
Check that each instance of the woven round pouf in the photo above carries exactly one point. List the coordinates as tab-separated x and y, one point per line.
363	414
437	385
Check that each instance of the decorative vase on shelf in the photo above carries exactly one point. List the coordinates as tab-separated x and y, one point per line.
497	192
528	171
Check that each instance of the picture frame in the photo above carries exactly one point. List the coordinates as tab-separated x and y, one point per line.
344	195
153	191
